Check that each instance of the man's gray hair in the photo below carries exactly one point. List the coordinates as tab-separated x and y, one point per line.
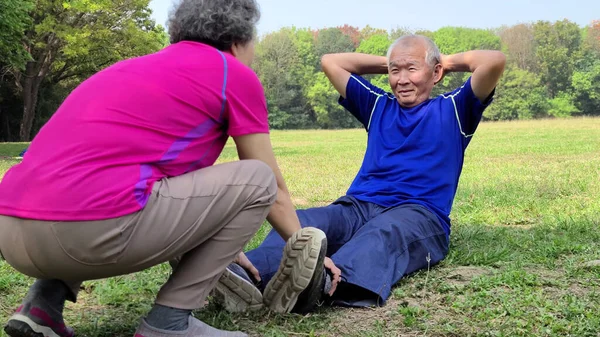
217	23
433	55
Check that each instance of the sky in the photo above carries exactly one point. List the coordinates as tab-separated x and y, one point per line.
414	14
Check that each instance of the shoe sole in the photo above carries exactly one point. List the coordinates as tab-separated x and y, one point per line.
237	294
21	326
303	255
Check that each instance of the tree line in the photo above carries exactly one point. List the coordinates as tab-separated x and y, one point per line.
48	47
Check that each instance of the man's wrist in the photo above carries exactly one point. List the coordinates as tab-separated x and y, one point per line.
384	65
368	64
448	64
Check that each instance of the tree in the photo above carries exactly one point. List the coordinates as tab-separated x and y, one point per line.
14	20
593	37
451	40
279	66
332	40
586	87
590	46
73	39
376	45
329	114
562	105
556	48
519	95
399	31
518	41
369	31
352	32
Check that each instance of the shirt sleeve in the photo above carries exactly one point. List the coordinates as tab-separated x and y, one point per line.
469	109
246	105
361	97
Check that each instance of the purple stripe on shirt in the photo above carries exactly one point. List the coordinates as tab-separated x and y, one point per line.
172	153
140	188
182	143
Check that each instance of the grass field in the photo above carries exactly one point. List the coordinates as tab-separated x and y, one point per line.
525	226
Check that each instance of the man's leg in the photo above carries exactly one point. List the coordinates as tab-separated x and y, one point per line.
392	245
338	221
237	291
206	217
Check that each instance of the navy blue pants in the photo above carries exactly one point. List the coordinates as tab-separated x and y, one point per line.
373	246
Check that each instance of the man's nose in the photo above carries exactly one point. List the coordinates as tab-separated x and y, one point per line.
403	78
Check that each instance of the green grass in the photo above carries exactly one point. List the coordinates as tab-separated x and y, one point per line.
8	155
525	222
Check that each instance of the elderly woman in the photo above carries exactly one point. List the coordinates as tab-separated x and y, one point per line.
122	177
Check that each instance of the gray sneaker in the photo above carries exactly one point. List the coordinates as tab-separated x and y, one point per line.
196	328
236	291
300	281
33	321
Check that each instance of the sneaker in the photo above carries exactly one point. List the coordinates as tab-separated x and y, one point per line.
31	321
300	281
196	328
236	291
317	291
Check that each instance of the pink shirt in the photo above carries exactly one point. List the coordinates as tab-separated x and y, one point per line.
136	122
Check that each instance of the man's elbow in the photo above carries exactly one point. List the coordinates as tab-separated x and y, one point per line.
498	61
326	61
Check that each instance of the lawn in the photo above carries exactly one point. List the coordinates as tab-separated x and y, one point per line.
525	227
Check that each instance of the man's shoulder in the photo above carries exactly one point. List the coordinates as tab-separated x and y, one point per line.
365	86
465	86
443	104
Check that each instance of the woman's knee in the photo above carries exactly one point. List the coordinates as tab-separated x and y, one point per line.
261	175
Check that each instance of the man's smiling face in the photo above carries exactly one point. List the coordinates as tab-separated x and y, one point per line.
411	77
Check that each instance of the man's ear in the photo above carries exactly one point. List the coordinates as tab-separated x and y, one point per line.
438	73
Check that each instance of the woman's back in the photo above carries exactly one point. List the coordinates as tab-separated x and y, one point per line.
133	123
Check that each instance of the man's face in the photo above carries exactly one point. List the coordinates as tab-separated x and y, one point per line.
411	78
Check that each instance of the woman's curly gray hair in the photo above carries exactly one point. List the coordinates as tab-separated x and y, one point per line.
217	23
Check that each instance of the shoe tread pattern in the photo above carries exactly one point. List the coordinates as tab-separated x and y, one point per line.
299	262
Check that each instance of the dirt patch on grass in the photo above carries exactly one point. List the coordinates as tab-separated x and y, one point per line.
417	305
556	285
463	275
354	322
524	224
577	290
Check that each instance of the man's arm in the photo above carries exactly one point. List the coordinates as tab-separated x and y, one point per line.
339	67
487	67
358	95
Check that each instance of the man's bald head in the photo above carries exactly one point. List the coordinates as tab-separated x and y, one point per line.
432	53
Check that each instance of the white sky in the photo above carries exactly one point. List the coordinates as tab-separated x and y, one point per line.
390	14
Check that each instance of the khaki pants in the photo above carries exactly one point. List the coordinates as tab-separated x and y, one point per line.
203	219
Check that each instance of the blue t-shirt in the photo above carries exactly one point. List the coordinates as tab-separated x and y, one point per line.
414	155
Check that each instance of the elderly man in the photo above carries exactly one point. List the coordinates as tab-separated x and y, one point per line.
394	219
